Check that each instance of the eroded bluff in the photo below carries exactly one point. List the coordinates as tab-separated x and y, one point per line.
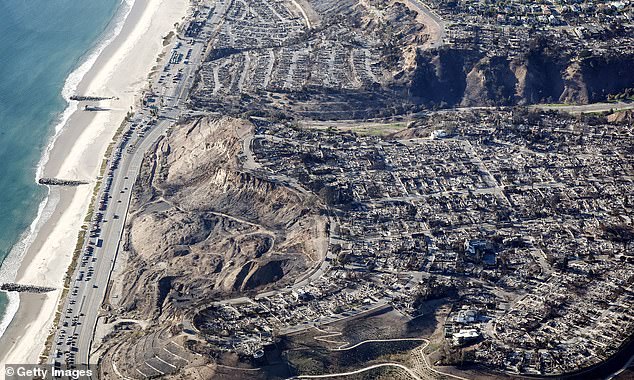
204	225
203	228
466	77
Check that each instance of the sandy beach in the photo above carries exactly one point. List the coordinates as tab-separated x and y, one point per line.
121	72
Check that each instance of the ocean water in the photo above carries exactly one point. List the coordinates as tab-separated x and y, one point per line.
41	43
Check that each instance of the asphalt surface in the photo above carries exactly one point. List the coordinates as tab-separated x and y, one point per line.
433	17
73	340
590	108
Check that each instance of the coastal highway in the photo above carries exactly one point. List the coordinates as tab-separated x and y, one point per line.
73	339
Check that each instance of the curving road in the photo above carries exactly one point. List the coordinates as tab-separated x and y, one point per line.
421	371
433	22
396	365
380	341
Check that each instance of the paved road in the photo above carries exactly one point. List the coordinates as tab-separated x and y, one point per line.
348	348
397	365
73	339
594	107
629	365
419	371
435	24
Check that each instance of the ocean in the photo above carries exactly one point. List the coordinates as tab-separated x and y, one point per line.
45	48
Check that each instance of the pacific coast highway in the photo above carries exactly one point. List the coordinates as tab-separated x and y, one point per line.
72	343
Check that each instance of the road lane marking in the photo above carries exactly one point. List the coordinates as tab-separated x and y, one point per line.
152	367
169	364
177	355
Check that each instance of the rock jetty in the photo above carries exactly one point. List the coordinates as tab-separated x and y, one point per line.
89	98
13	287
60	182
94	108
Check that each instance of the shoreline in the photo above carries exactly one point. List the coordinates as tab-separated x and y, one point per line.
118	66
9	272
